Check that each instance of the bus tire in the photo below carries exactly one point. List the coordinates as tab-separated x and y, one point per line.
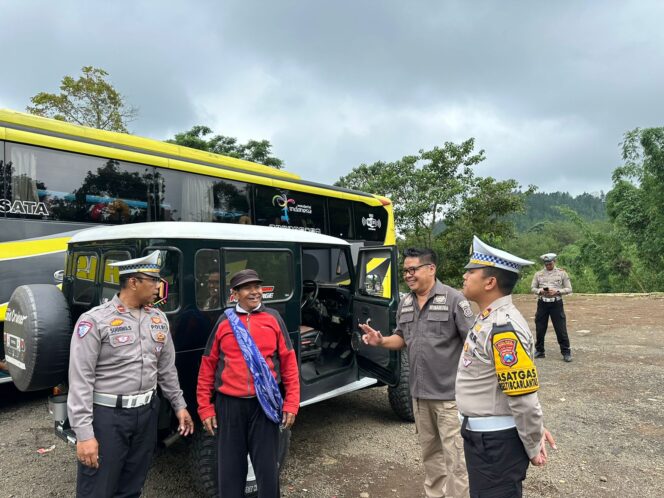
400	399
203	456
37	335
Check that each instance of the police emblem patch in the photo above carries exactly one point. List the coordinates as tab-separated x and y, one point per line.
117	322
83	328
409	300
442	299
155	319
160	337
467	310
506	349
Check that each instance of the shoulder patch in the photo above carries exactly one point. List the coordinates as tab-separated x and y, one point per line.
515	370
467	310
83	328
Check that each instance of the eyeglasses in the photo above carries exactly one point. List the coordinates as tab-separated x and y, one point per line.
154	280
412	269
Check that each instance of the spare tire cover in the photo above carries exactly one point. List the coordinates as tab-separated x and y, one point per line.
37	336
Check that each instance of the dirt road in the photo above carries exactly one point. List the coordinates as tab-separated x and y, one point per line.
606	410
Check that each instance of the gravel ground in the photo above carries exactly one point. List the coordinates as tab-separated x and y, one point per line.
606	410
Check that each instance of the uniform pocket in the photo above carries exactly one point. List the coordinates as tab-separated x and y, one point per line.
436	323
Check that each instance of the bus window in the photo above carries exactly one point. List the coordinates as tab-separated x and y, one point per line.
370	222
341	218
289	209
85	271
208	279
64	186
192	197
274	267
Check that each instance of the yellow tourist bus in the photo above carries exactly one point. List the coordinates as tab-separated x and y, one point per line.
57	178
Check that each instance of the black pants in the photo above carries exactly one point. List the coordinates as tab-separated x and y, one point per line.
127	438
496	463
557	313
244	429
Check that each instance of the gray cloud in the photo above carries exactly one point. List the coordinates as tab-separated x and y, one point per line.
547	89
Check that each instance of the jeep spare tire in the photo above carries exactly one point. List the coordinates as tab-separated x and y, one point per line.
37	336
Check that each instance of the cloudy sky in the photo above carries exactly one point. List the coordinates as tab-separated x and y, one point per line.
546	88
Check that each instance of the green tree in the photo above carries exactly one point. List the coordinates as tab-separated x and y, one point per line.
256	151
89	100
424	188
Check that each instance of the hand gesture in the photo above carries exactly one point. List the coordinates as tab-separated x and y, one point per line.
210	424
87	452
186	424
541	458
371	336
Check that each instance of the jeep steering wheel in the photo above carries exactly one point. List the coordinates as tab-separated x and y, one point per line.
309	293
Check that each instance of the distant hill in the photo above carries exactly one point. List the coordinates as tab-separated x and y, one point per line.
541	206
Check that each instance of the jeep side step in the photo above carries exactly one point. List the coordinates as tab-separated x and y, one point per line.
348	388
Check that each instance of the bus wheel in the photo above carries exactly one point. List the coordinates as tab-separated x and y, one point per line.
399	395
203	457
37	335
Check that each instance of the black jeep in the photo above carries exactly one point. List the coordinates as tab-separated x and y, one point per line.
311	279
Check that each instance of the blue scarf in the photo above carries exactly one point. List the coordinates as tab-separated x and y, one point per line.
267	389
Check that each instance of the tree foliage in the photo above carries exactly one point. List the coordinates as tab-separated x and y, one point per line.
89	100
257	151
425	188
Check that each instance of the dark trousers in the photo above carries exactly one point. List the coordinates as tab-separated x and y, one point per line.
127	439
496	462
557	313
244	429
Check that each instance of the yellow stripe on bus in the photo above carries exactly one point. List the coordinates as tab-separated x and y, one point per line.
373	263
29	248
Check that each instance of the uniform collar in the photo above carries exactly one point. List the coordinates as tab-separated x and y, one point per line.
119	305
438	288
500	302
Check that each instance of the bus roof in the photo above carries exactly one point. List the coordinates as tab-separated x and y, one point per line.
21	121
202	230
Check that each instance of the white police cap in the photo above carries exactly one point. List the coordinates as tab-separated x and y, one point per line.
548	257
148	264
484	255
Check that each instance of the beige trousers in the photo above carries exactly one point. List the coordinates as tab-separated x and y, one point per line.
437	425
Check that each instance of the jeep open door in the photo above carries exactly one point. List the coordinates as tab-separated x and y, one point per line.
376	300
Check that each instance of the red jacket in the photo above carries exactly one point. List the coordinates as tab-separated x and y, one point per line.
224	369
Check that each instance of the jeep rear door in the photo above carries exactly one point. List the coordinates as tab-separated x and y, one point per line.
375	301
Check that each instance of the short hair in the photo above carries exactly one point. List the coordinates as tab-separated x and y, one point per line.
506	279
124	279
424	254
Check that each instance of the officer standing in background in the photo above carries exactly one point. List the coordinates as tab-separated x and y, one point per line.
119	352
432	322
551	284
496	385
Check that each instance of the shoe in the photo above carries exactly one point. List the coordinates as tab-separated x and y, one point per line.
540	354
567	357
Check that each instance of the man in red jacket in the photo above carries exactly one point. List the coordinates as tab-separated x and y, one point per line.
227	396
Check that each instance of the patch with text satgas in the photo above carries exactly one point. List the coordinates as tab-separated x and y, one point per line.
515	370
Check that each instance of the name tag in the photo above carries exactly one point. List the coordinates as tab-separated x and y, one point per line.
439	307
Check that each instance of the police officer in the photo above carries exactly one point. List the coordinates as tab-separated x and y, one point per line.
550	285
119	352
433	321
496	385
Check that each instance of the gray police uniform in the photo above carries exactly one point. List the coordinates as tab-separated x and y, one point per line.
117	358
557	280
491	418
434	338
